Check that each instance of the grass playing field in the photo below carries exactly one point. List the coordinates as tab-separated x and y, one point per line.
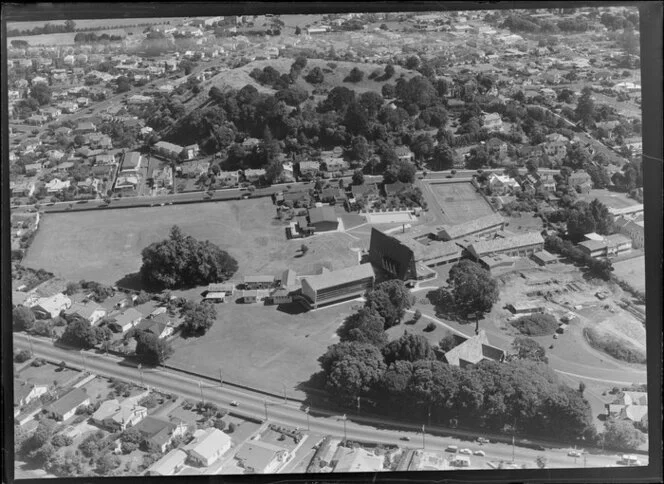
458	202
261	346
632	271
610	199
106	246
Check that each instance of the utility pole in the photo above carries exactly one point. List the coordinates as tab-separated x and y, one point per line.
423	443
32	352
200	387
513	449
358	405
306	411
265	403
344	419
221	378
140	369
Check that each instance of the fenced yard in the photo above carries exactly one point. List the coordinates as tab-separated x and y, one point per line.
458	202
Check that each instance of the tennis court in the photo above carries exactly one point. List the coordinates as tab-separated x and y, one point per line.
458	202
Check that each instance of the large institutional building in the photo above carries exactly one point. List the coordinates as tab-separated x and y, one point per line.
335	286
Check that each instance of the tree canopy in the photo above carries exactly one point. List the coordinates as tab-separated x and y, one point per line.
409	347
473	288
390	299
198	319
151	349
182	261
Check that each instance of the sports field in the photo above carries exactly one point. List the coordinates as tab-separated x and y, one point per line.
105	246
632	271
610	199
262	347
458	202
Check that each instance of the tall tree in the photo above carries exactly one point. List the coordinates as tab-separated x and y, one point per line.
364	326
23	318
151	349
390	299
473	288
529	349
409	347
198	319
585	108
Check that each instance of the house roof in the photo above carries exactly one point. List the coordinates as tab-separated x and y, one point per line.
128	317
221	287
474	350
545	256
257	455
208	442
322	214
402	151
635	398
69	401
84	310
53	303
131	160
168	463
499	244
166	146
153	426
627	210
475	225
258	279
592	245
635	412
22	389
309	165
342	276
288	278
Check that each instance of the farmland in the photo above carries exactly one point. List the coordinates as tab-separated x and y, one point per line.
457	202
107	246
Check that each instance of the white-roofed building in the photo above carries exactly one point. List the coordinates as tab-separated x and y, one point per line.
208	446
334	286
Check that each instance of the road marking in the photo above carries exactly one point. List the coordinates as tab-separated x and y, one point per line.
595	379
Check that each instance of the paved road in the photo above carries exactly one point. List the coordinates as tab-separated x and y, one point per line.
291	413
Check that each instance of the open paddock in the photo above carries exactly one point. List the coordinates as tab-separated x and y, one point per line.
457	202
107	246
632	271
609	198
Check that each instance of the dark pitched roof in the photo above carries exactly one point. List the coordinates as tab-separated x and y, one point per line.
322	214
396	187
68	401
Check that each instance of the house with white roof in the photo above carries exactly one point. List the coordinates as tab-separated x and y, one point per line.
50	307
90	312
208	446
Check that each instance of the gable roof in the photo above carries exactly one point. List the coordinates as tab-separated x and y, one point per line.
475	225
484	247
69	401
153	426
342	276
288	278
207	442
473	350
168	463
22	389
128	317
257	455
258	279
322	214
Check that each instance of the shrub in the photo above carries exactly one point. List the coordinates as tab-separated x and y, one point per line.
620	350
536	324
430	327
22	356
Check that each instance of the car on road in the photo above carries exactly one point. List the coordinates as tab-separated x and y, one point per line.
234	403
452	448
482	440
574	453
481	453
466	451
406	438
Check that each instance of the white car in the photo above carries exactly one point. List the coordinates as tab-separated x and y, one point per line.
481	453
466	451
234	403
574	453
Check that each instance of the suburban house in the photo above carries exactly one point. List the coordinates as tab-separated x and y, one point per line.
127	320
501	184
335	164
229	178
91	312
482	226
168	150
25	392
334	286
580	179
126	182
323	219
633	230
50	307
521	245
22	188
190	152
631	406
309	168
410	255
57	185
65	407
159	325
158	432
471	351
100	141
193	169
261	457
117	416
492	121
611	245
208	446
258	282
85	128
253	175
404	153
131	162
336	196
169	464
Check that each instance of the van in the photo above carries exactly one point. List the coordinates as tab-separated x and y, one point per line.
452	448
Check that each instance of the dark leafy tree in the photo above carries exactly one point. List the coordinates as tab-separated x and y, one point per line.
152	350
358	177
41	93
198	319
390	299
182	261
473	288
315	76
364	326
443	157
529	349
23	318
355	75
621	435
585	108
80	334
409	347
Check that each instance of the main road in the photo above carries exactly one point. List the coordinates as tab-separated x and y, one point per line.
288	412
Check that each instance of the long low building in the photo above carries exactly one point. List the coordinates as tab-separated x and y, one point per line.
521	245
489	224
410	255
611	245
334	286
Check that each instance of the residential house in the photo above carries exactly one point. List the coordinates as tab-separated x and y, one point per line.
65	407
193	169
334	286
497	148
25	392
68	107
160	325
259	457
32	169
128	319
55	155
169	464
555	152
368	191
23	188
118	416
163	177
545	183
190	152
309	168
501	184
100	141
85	128
323	219
335	164
90	312
89	185
581	179
36	120
207	446
357	460
253	175
492	121
159	433
168	150
50	307
470	351
336	196
404	153
126	183
229	178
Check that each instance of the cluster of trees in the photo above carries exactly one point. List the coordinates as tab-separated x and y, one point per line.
538	324
183	261
151	349
80	334
583	218
198	318
48	28
601	268
87	37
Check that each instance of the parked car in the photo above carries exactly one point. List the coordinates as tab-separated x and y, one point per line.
466	451
452	448
482	440
481	453
234	403
406	438
574	453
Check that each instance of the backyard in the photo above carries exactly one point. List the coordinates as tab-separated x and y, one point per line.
261	346
106	247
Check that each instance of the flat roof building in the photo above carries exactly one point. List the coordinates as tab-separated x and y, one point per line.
323	219
521	245
334	286
481	226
